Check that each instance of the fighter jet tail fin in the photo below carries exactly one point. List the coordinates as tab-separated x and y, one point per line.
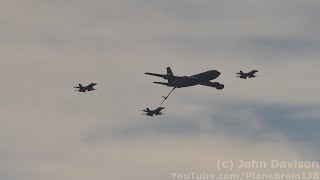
146	110
240	73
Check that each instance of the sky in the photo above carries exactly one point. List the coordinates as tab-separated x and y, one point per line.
49	131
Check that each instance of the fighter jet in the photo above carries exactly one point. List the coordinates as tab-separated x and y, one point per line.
250	74
155	112
187	81
81	88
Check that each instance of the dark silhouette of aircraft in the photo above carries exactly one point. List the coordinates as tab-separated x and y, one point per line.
81	88
155	112
250	74
187	81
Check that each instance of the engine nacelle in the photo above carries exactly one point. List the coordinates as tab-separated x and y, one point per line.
217	85
220	86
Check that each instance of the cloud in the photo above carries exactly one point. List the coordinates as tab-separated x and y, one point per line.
48	131
262	123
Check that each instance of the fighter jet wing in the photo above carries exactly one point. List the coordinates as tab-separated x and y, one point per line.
158	110
90	86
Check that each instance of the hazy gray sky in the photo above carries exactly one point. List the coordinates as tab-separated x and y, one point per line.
50	132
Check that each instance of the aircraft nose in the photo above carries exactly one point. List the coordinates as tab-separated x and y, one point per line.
216	73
